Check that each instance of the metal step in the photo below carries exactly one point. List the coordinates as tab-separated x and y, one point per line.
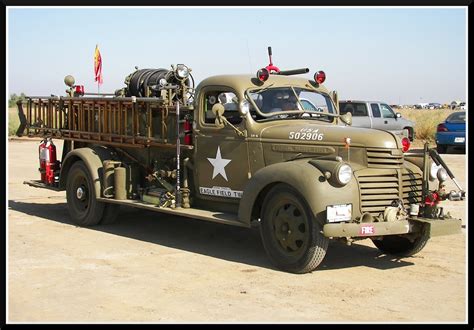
40	184
214	216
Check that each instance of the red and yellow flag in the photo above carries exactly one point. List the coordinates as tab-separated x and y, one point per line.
98	65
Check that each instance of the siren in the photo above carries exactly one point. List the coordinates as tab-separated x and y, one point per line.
270	67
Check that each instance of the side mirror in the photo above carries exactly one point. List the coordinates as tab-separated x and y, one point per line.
398	115
218	110
346	118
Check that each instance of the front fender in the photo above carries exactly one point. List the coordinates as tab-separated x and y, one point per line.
304	177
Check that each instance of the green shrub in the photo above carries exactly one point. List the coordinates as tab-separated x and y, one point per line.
426	122
13	121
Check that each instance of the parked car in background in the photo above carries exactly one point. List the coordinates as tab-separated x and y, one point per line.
451	132
434	106
379	115
457	104
308	105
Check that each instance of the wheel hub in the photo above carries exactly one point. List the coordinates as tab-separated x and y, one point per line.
80	193
289	228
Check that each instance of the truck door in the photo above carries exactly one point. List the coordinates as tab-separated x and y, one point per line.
221	155
385	118
377	120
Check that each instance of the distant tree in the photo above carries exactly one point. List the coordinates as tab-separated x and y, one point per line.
14	98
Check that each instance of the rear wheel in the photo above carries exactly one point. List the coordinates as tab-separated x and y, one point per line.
441	148
290	235
402	246
83	207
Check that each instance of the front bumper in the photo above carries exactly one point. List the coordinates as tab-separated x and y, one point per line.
436	227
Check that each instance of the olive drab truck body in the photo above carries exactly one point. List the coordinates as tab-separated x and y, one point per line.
241	150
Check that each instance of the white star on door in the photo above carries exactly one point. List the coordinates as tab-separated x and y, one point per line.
219	164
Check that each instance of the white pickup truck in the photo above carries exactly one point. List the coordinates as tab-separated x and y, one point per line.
379	115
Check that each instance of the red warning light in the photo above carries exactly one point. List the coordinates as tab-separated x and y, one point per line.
320	77
263	74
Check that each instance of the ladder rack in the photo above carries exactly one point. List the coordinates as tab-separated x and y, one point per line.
125	121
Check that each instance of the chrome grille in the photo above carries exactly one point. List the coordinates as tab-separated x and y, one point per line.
384	158
378	188
412	186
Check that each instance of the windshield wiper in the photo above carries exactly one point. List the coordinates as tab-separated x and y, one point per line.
263	89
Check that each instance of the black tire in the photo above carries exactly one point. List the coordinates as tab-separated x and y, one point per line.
402	246
83	207
290	235
110	215
441	148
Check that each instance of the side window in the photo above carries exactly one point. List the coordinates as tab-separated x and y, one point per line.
209	100
356	109
360	110
387	112
228	100
375	110
345	108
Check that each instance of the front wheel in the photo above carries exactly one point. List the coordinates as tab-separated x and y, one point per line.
290	235
402	246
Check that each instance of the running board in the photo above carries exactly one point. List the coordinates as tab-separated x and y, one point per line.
40	184
219	217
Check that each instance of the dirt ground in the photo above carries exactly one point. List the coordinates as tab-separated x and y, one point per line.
155	268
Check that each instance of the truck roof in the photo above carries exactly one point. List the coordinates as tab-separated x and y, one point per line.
240	82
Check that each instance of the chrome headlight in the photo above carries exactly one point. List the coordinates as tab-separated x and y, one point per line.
245	107
182	71
162	82
434	171
343	174
442	175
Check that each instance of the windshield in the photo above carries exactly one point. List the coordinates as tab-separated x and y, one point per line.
289	102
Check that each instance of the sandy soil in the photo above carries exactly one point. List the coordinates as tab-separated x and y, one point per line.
150	267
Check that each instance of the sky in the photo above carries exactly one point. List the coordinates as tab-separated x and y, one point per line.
393	54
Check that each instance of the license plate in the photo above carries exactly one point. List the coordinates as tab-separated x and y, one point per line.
459	140
341	212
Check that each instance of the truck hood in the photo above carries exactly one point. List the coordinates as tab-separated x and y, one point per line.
315	133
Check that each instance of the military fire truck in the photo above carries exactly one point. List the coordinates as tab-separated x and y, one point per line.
243	150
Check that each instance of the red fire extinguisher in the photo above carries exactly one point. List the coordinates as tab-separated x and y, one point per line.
48	161
188	130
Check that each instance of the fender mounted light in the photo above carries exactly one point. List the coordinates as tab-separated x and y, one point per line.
320	77
263	74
